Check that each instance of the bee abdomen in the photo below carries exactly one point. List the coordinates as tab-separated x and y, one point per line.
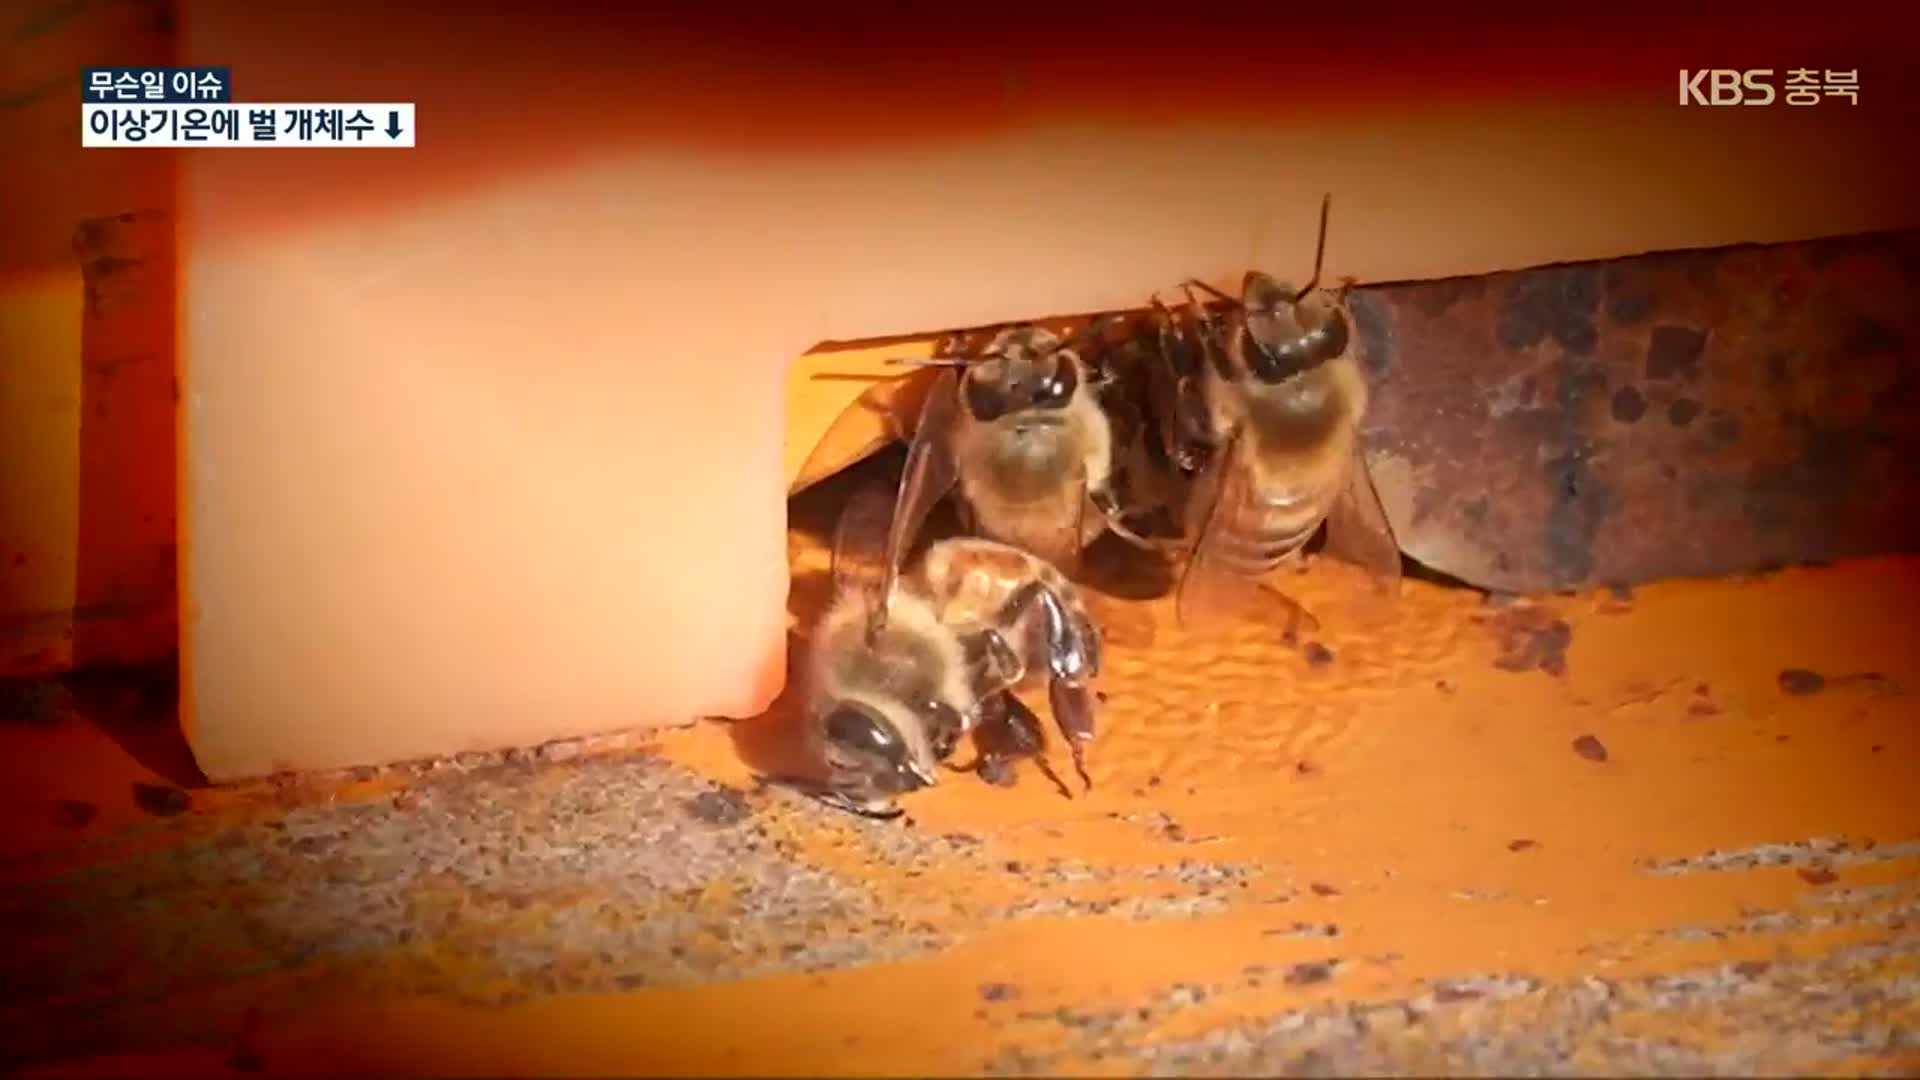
1255	543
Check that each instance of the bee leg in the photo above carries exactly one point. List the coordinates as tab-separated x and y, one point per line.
946	726
1010	731
1073	713
1072	658
1192	424
1297	618
1195	283
1104	501
992	663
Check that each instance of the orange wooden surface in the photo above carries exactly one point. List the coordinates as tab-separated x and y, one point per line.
1728	889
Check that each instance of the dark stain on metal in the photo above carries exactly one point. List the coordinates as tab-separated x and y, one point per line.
1437	297
1675	351
1426	501
1474	510
1521	326
1578	499
1522	844
1827	250
1321	888
1723	429
1800	682
1590	748
1683	411
1556	302
161	800
1374	334
1627	300
998	991
1871	335
1629	404
1317	655
1818	875
1579	502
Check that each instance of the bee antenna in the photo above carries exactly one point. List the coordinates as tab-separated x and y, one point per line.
1320	250
1195	283
1095	326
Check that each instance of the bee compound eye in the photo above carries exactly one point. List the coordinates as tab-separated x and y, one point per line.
985	399
1058	388
860	730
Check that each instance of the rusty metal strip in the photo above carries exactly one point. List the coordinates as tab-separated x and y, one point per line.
1677	414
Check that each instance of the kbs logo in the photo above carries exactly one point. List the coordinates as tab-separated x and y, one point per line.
1725	86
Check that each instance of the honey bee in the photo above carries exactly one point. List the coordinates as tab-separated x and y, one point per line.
1262	409
901	667
1035	438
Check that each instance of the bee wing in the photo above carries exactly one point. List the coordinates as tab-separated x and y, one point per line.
871	421
1358	531
860	542
859	552
1063	547
928	476
1206	596
1192	345
1058	539
1210	594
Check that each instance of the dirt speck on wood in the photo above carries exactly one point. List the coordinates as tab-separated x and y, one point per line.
1590	748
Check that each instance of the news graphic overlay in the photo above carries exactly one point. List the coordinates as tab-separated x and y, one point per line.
174	107
1760	86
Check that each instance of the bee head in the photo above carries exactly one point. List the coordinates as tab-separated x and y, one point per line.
865	751
1025	369
1288	331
